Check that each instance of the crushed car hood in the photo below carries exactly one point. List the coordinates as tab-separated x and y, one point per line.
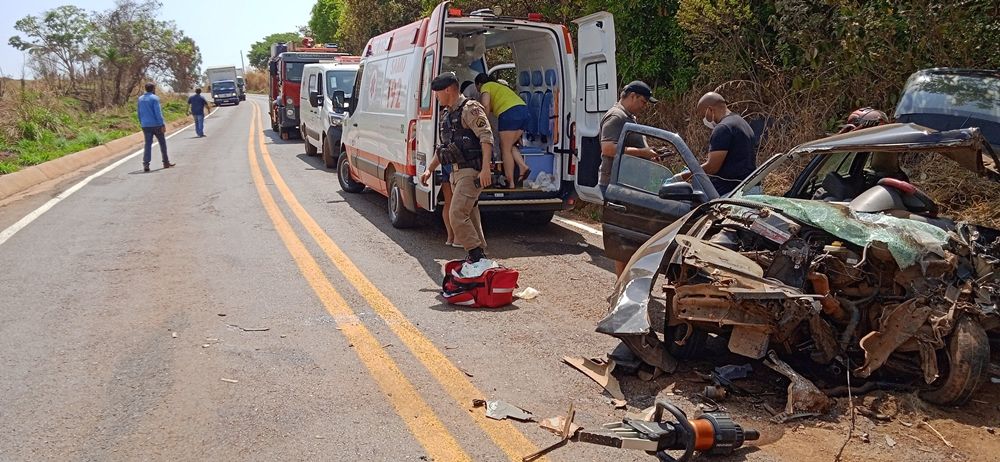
907	240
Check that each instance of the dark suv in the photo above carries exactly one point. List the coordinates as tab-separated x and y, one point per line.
946	99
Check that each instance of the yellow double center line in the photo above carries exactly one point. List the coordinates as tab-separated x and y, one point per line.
428	428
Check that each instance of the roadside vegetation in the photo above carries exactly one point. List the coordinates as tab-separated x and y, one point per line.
88	69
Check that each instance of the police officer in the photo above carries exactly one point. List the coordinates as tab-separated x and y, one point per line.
466	144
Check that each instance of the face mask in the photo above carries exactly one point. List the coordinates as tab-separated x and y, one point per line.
708	123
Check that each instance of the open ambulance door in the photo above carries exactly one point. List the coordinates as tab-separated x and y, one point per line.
596	92
426	127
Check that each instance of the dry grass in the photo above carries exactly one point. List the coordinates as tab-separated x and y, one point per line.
960	193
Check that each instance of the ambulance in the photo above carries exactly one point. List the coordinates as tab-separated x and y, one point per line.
391	131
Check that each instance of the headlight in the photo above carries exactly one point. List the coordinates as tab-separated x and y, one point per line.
290	112
335	121
289	101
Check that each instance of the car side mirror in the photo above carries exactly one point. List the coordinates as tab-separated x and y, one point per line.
679	191
315	98
338	98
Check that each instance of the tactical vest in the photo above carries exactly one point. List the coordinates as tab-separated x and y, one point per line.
459	145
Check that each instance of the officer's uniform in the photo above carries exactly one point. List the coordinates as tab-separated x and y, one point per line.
464	127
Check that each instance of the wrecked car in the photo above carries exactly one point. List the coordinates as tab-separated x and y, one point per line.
850	271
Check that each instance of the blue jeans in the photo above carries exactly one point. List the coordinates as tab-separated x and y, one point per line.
199	124
147	151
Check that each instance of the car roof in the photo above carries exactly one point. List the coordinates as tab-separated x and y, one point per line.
967	146
331	65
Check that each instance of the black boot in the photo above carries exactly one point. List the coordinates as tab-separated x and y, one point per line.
475	255
145	167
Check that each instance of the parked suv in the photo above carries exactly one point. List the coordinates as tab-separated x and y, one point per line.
321	121
946	99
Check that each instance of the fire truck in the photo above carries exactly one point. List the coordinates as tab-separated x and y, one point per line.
285	80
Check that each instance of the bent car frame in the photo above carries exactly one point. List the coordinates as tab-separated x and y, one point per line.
851	271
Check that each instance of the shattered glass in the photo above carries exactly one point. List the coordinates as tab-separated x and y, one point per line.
908	240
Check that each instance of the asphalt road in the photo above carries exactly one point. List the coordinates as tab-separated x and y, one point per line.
134	312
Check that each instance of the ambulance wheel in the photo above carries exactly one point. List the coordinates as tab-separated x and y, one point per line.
344	177
328	159
963	364
399	216
310	149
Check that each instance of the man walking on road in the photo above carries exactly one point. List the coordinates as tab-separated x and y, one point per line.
466	144
151	119
196	107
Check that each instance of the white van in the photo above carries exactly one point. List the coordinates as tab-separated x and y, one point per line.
392	129
319	122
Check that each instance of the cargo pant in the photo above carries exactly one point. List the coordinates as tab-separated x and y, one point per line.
464	212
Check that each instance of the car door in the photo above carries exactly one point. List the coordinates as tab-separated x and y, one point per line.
633	209
596	92
310	114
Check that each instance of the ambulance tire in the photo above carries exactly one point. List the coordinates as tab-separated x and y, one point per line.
399	216
310	149
344	177
328	160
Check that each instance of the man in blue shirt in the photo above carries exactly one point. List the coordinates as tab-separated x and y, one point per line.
196	107
151	119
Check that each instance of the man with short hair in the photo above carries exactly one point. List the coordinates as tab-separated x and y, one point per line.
151	120
731	156
466	144
634	99
196	107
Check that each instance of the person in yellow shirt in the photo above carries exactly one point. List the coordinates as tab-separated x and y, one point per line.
513	117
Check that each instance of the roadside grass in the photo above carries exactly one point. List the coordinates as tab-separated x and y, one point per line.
40	126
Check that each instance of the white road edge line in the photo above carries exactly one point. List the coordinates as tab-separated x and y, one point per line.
567	222
27	219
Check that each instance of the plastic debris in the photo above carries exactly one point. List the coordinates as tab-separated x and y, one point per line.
499	410
557	424
527	293
473	270
544	181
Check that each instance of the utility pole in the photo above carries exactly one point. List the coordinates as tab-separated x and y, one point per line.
242	64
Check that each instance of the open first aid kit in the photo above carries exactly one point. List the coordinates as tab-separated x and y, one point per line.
484	284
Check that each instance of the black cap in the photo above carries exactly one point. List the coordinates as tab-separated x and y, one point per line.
444	80
640	88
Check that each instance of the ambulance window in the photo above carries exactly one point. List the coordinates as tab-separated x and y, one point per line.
598	92
356	93
425	95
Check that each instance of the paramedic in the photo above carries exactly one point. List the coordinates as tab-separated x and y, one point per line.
513	118
731	157
467	144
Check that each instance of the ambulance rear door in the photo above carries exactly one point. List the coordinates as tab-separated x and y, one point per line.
426	122
596	92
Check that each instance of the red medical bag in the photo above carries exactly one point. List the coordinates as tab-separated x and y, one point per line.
492	289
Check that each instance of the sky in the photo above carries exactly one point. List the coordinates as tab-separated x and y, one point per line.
220	28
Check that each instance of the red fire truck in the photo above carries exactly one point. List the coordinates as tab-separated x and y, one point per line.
285	78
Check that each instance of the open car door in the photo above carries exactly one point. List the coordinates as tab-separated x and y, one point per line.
425	128
637	204
596	92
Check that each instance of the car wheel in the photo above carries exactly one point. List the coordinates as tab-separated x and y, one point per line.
328	159
310	149
966	364
399	215
344	177
284	133
539	218
693	347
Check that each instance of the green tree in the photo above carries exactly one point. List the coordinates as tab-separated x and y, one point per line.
184	63
325	19
260	52
361	20
60	35
130	43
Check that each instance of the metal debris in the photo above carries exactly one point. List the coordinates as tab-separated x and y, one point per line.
802	394
600	371
230	380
